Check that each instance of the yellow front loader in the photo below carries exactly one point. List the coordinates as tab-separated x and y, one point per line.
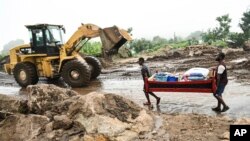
47	55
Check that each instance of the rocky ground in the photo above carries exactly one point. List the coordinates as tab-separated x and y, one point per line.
52	113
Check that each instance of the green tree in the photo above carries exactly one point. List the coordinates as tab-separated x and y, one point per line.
220	33
210	36
237	39
139	45
245	24
224	27
92	48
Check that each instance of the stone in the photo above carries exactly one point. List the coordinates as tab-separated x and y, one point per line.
62	114
62	121
225	135
43	97
21	127
9	103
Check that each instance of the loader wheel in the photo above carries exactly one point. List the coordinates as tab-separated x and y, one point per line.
25	74
95	66
76	73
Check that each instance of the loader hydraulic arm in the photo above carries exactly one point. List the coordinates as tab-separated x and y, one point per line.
112	38
84	31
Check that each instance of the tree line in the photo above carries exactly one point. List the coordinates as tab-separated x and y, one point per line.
219	36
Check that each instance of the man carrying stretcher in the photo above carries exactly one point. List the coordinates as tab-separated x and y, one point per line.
221	80
145	72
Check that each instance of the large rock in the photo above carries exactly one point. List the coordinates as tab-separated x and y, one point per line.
62	114
8	103
13	104
21	127
43	97
110	115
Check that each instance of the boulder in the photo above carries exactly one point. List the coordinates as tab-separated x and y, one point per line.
43	97
63	114
62	121
8	103
20	127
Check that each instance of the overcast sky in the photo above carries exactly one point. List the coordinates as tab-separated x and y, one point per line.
147	17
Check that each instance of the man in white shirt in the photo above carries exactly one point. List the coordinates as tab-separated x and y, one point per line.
221	80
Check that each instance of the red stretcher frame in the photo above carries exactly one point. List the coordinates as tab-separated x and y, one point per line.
149	86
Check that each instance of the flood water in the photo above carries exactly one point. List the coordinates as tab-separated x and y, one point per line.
236	95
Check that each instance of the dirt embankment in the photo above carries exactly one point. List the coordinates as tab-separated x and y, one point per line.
53	113
237	60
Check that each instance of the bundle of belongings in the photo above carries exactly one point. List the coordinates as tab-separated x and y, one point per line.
190	75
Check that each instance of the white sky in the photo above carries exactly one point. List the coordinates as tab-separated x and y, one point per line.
147	17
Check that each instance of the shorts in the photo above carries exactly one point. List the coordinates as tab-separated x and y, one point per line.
220	90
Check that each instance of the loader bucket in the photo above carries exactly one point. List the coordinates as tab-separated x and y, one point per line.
113	38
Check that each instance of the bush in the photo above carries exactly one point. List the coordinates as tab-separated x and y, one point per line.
180	44
219	43
92	48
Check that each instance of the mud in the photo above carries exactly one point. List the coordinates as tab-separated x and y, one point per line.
124	78
181	116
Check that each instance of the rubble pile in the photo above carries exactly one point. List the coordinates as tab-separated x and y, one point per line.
53	113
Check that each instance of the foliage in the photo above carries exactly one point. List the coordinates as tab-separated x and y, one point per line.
220	44
139	45
245	25
210	36
1	56
180	44
223	29
237	39
92	48
218	33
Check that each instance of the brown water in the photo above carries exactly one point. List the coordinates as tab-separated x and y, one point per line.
236	95
126	81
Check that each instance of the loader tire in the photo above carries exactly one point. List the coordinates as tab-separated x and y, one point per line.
76	73
25	74
95	66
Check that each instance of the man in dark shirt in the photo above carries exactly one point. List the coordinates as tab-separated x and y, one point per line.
145	72
221	80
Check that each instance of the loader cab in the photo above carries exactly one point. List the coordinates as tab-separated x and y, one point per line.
45	38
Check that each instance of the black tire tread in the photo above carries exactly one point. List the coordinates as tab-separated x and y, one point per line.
31	73
96	64
84	70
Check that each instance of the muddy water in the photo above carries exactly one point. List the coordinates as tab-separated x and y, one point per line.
126	81
237	96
